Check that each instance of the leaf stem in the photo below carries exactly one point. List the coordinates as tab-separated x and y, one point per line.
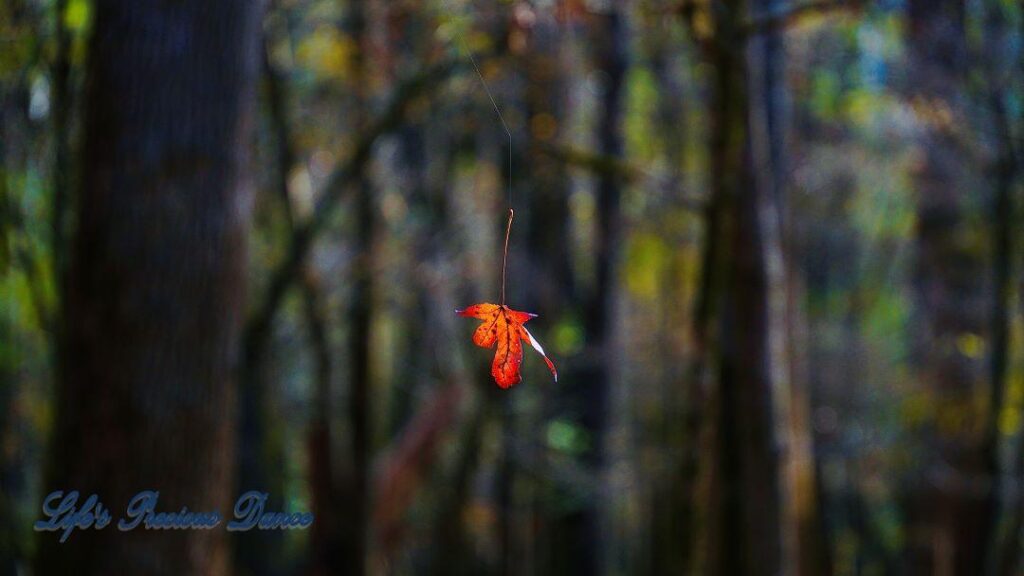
504	125
504	255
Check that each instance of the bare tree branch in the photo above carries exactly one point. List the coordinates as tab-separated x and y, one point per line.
277	96
334	192
402	469
770	22
595	162
604	165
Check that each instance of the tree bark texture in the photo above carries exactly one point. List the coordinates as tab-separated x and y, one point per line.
157	277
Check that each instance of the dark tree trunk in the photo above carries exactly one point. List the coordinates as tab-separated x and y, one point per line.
62	114
750	528
323	482
1001	535
546	286
359	392
449	540
805	544
260	450
154	302
987	539
588	385
673	527
747	434
358	318
946	505
413	158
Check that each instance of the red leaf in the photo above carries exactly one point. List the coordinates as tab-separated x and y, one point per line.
503	326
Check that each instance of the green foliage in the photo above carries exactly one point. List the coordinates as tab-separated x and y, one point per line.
567	437
641	99
646	259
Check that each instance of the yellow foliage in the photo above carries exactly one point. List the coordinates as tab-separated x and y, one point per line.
861	105
76	16
327	52
970	345
646	256
703	25
1010	416
917	408
1009	421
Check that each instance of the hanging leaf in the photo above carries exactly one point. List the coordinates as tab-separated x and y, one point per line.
504	326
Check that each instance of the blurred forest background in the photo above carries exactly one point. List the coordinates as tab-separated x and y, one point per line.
775	247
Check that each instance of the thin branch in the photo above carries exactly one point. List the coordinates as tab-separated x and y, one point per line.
277	96
334	192
403	467
604	165
61	103
772	22
600	164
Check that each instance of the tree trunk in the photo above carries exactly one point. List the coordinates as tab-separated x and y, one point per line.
154	305
1001	536
62	114
358	318
322	480
804	543
946	504
750	527
546	284
583	531
988	539
673	527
